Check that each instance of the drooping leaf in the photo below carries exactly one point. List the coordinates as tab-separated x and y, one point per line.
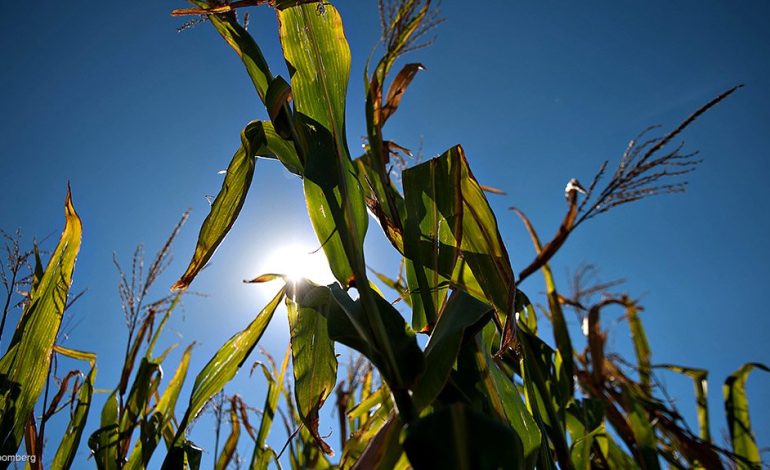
313	359
433	234
457	437
737	410
243	44
24	367
228	203
398	88
700	380
68	445
224	365
381	196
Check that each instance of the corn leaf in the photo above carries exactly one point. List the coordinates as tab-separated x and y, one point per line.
243	44
644	434
462	311
262	454
228	203
318	56
433	234
24	367
505	397
183	456
68	446
350	326
222	368
737	410
152	427
313	359
560	331
457	437
547	390
700	380
104	441
383	447
145	385
452	234
641	345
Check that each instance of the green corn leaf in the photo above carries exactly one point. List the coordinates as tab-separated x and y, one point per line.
547	390
224	365
451	234
241	41
145	385
377	446
70	441
281	149
462	311
104	441
376	399
24	367
700	380
737	410
505	397
161	417
228	450
318	56
263	454
313	359
433	234
348	325
644	434
585	422
457	437
228	203
641	345
558	322
397	285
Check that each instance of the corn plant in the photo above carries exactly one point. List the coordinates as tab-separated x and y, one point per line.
487	391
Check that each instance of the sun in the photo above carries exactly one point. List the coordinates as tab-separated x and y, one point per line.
297	261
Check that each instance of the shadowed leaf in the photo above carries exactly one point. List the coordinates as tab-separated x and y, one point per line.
457	437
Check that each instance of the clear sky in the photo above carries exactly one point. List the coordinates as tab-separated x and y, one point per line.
140	118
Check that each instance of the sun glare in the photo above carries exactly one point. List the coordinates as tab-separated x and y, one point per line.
297	261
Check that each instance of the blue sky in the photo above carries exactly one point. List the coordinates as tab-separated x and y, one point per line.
140	118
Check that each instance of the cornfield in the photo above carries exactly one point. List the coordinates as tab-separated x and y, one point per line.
487	391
